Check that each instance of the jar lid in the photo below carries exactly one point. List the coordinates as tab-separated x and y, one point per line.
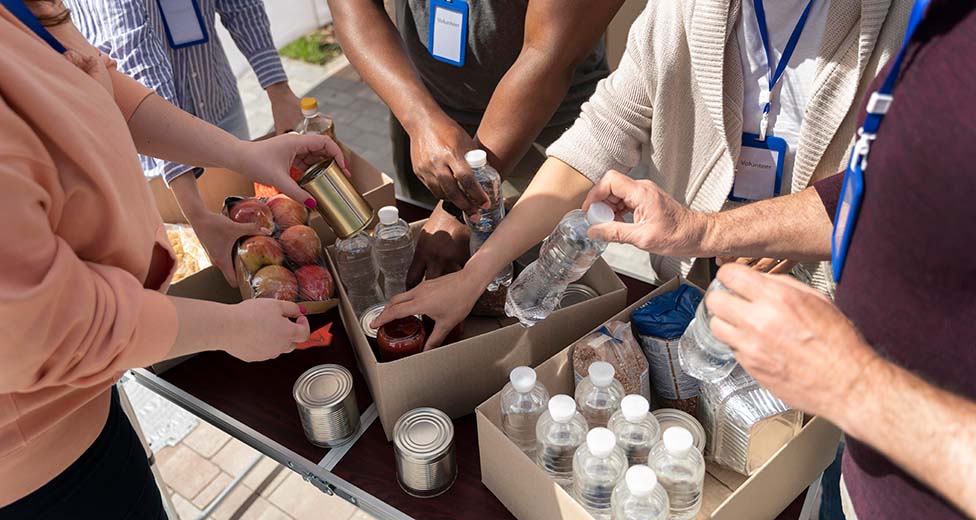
669	417
323	387
423	435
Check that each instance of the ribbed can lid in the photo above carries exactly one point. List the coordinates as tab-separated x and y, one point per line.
423	435
323	387
576	293
668	417
370	314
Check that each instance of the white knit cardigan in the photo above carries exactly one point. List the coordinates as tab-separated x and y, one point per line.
675	102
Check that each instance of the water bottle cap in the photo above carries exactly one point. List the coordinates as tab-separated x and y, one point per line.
599	213
678	439
476	158
562	408
641	480
601	442
634	407
310	106
601	373
389	215
523	379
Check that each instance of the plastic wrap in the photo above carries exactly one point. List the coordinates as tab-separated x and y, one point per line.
190	255
615	344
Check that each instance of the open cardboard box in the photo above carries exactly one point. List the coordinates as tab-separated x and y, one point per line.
455	378
529	494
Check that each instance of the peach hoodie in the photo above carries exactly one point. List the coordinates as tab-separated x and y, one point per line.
84	258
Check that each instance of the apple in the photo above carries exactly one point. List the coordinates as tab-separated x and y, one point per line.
287	212
259	251
301	245
314	283
275	281
253	210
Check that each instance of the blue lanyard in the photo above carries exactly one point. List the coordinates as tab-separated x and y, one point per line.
773	76
20	10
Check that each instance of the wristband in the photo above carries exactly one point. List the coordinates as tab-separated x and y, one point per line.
453	210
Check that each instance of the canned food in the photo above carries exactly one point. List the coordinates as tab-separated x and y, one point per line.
368	316
327	405
576	293
669	417
342	207
423	441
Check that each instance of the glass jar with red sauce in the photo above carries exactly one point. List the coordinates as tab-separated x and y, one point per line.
401	338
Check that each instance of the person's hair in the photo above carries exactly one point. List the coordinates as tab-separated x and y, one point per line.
60	16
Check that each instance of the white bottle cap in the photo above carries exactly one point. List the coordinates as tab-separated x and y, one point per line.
601	373
599	213
389	215
476	158
601	442
634	407
641	480
562	408
523	379
677	439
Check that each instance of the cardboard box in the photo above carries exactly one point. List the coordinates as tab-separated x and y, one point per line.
529	494
455	378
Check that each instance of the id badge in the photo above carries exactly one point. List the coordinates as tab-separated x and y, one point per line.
847	211
184	23
759	170
447	32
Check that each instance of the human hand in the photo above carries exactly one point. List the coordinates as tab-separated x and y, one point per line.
661	224
790	338
219	235
285	107
447	300
270	161
437	151
763	265
264	329
442	248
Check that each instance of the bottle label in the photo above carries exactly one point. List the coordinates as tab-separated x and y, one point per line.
670	382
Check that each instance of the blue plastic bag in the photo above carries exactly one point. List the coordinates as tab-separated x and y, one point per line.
667	316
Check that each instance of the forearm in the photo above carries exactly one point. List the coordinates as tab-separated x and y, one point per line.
203	326
927	431
556	190
375	49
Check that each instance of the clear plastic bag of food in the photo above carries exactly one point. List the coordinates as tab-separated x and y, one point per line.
614	343
190	255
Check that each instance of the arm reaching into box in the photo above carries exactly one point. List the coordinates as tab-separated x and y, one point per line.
798	345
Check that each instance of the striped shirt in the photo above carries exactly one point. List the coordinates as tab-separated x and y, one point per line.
197	78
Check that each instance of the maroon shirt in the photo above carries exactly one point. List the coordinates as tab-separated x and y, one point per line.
909	283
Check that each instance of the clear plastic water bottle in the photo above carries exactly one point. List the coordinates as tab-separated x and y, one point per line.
490	218
637	430
393	250
639	497
680	468
560	431
599	394
700	354
565	256
598	467
314	122
524	399
357	271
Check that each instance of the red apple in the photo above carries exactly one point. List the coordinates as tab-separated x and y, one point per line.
301	245
287	212
275	281
253	210
259	251
314	283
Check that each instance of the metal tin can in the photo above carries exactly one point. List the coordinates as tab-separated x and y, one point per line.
669	417
423	441
576	293
342	207
327	405
370	314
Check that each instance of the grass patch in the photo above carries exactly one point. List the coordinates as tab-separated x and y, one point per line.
317	47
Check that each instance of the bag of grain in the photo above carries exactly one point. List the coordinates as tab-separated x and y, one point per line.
615	344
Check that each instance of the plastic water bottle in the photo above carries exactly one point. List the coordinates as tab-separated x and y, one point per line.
314	123
680	469
598	467
636	429
639	497
700	354
560	431
357	271
564	257
524	400
599	394
393	250
490	218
